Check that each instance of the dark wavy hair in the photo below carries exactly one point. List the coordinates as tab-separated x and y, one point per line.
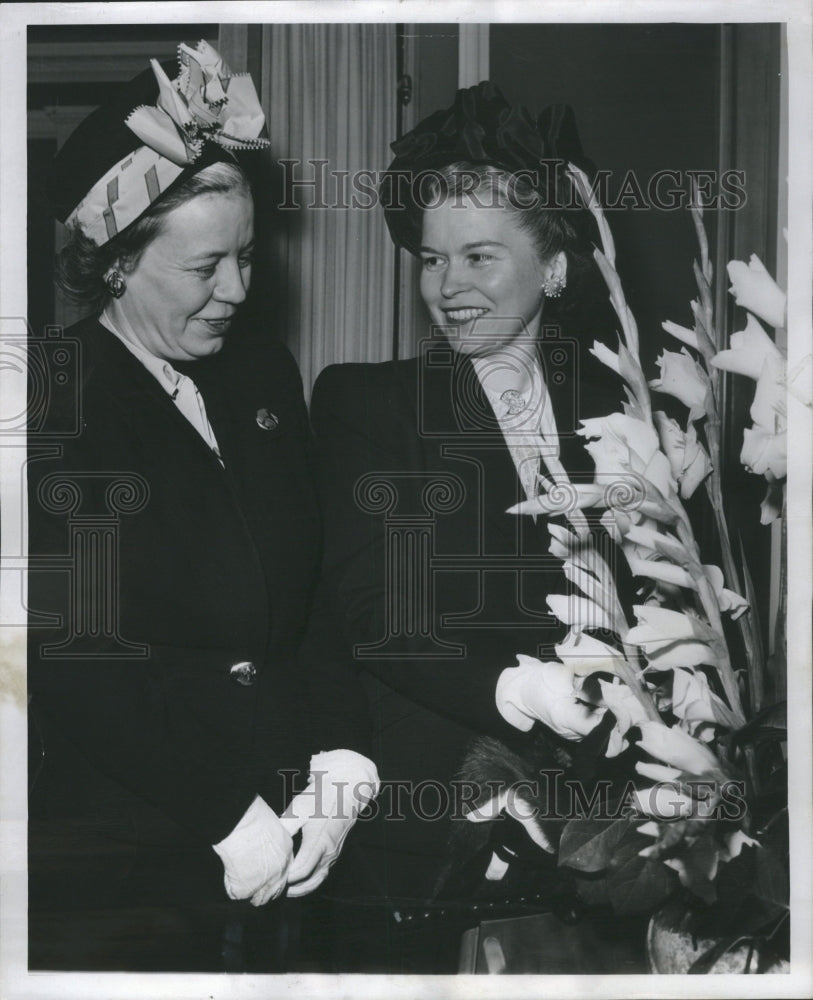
81	265
552	228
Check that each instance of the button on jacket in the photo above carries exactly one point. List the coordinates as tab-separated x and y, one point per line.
188	702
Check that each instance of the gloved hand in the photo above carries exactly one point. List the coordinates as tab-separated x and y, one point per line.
256	855
517	808
341	783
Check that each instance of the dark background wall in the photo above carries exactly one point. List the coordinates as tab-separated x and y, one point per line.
644	97
680	97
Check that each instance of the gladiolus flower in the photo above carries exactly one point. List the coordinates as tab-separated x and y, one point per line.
771	506
646	539
729	600
686	336
578	611
683	378
586	655
671	639
748	351
665	802
665	572
606	356
763	453
673	746
735	843
769	409
546	691
561	498
755	290
688	458
657	772
693	699
764	447
622	445
628	712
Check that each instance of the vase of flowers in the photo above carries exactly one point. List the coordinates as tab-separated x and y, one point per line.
681	693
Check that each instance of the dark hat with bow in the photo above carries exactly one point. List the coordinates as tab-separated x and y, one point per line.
480	128
151	135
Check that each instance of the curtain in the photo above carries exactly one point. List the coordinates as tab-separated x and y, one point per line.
329	94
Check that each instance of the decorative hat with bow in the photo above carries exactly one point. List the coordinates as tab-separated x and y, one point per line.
480	127
130	151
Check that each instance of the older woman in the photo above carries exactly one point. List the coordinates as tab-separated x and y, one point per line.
174	539
437	584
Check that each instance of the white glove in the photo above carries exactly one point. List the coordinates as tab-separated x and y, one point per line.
256	855
519	809
341	783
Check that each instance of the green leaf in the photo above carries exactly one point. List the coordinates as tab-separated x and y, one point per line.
639	885
771	885
751	637
589	845
593	891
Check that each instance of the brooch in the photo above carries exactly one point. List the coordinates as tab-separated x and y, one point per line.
514	400
266	420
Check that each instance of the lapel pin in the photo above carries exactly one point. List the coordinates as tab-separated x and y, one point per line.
266	420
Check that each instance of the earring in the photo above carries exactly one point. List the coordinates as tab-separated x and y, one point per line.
115	283
554	286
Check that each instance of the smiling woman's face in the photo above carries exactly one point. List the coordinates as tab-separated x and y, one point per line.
481	277
182	295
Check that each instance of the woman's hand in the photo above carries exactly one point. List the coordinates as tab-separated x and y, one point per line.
341	783
256	855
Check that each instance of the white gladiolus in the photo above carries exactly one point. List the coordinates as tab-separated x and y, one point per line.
620	445
578	611
769	409
763	453
686	336
670	638
628	712
748	351
755	290
586	655
657	569
764	446
664	802
683	378
688	458
728	600
550	695
675	747
657	772
693	699
606	356
660	542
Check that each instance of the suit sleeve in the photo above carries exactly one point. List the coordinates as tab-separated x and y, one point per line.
338	713
362	428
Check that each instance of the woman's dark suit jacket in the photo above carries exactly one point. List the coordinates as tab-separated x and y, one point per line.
412	450
166	693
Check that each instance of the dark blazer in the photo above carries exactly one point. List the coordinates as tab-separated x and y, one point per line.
412	461
167	682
